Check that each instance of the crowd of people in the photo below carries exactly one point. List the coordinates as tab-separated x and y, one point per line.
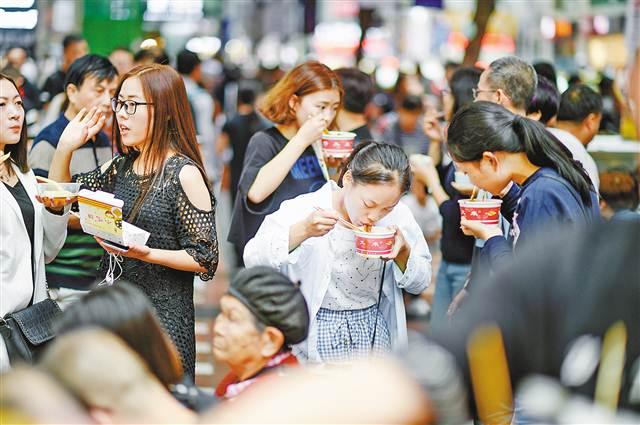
310	328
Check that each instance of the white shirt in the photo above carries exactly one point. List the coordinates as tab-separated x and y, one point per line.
354	279
580	154
311	263
16	279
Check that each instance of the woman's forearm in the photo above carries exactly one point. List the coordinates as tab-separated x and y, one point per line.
59	169
297	235
179	260
274	172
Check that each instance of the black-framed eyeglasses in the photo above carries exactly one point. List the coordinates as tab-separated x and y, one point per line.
476	90
130	106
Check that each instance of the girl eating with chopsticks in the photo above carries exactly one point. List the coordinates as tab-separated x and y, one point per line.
496	147
280	162
355	302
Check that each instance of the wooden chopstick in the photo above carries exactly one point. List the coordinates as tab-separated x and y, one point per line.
343	221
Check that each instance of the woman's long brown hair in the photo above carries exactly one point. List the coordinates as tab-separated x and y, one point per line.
170	125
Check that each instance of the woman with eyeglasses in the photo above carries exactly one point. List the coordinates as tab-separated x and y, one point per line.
161	179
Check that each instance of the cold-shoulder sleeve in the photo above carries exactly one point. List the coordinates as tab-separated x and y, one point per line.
102	178
197	233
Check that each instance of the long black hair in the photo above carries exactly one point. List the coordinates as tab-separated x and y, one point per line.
462	83
375	163
18	150
488	127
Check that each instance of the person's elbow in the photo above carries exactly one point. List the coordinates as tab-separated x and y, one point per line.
256	194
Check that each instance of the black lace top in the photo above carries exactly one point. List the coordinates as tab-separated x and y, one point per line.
175	224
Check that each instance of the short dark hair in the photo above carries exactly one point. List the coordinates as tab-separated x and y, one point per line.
547	70
95	66
546	100
246	95
125	310
143	55
619	189
577	102
71	39
358	89
187	62
411	103
515	77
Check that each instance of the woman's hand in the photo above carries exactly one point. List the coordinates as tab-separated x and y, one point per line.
320	222
432	128
138	252
83	127
423	168
55	205
401	250
479	230
311	130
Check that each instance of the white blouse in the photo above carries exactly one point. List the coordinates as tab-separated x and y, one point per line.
354	280
312	262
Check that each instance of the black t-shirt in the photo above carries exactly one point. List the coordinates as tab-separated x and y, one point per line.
363	134
240	129
456	246
28	213
305	176
53	85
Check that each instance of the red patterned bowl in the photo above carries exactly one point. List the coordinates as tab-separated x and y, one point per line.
337	144
375	244
487	212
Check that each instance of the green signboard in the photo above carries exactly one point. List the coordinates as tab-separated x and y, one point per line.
108	24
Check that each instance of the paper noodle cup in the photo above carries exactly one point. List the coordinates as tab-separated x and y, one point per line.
337	144
375	244
487	211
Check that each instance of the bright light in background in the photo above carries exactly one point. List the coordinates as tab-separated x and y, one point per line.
548	27
563	83
289	56
21	4
387	73
237	50
432	69
26	20
148	43
204	46
408	67
367	66
268	51
601	24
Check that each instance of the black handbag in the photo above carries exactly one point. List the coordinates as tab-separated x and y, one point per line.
27	332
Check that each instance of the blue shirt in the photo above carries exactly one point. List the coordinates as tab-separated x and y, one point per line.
545	199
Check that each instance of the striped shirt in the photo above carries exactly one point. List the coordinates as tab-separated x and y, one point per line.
77	262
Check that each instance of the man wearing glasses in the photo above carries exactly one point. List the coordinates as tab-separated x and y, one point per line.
510	82
91	81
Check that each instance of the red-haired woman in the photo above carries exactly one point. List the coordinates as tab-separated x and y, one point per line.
280	163
161	179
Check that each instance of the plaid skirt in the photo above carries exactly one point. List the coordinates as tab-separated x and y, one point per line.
346	335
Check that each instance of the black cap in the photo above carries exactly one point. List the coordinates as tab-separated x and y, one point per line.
274	299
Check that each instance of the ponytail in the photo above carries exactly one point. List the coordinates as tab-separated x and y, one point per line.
375	163
545	150
485	126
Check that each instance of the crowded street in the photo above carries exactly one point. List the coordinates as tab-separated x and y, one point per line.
319	211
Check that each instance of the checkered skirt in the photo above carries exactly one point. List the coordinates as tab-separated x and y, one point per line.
347	334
